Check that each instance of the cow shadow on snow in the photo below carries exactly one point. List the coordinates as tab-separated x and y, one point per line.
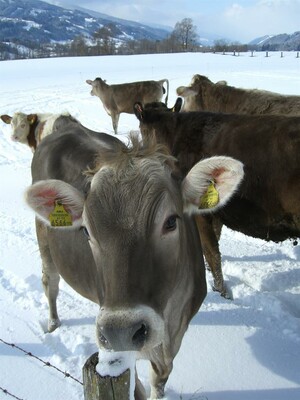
271	313
268	394
278	256
276	350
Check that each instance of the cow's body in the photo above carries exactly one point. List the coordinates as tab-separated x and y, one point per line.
120	98
267	204
64	158
142	261
204	95
30	129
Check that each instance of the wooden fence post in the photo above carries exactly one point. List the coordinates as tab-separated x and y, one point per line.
97	387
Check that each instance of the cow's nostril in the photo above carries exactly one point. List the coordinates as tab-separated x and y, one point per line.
140	336
103	341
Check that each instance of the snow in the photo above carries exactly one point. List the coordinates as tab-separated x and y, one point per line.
116	363
245	349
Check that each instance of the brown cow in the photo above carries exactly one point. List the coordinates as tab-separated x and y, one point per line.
117	99
204	95
116	223
267	204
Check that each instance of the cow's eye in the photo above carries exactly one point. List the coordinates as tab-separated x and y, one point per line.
85	232
171	223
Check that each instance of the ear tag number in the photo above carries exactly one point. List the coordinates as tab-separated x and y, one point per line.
210	198
59	216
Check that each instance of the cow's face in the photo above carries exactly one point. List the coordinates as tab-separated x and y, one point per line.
96	86
20	124
194	93
135	215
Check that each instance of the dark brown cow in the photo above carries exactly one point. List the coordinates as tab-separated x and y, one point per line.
117	99
267	204
140	257
204	95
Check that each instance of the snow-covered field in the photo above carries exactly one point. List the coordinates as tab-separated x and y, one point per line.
245	349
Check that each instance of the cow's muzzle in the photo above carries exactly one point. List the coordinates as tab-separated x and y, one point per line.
131	338
133	329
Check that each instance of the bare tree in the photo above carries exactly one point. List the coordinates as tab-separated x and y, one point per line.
185	33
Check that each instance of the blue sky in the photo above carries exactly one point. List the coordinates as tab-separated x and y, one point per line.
241	20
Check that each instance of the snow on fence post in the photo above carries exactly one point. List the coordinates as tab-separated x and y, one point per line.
97	387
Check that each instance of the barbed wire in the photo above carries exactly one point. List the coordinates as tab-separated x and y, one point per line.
45	363
5	391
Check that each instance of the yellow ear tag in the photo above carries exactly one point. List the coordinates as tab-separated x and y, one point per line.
210	198
59	216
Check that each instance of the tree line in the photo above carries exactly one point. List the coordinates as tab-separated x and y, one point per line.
183	38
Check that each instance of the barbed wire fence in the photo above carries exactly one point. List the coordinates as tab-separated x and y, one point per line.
10	394
45	363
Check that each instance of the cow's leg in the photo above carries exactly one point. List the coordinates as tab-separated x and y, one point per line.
217	225
50	277
115	121
50	281
159	376
209	229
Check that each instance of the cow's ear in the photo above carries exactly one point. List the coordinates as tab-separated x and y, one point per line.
31	118
6	118
177	106
211	183
185	91
56	202
221	83
138	110
88	81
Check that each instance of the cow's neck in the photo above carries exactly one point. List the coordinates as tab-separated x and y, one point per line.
35	133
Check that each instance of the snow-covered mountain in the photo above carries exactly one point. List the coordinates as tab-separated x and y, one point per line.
278	42
36	21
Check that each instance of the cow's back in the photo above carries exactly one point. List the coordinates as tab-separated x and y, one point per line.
125	95
68	152
267	204
223	98
66	155
268	201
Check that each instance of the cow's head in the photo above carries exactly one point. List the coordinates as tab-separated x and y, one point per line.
150	117
137	218
97	85
21	125
195	93
157	105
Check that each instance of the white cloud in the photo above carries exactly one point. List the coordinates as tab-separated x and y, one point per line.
246	22
241	20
